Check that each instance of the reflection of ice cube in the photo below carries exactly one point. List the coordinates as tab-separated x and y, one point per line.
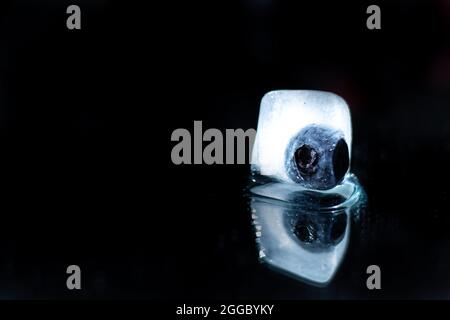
283	114
300	241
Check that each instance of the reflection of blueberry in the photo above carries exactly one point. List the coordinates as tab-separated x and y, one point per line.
305	232
338	227
317	157
320	231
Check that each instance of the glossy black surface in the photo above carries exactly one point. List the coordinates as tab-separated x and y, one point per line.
85	125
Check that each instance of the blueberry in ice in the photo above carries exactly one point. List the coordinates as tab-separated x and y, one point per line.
317	157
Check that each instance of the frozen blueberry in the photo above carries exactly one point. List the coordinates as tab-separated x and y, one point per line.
317	157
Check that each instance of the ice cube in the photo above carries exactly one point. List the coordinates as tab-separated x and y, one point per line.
303	136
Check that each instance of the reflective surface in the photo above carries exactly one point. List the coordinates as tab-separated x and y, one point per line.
86	121
304	233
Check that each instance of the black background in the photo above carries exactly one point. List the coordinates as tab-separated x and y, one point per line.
86	118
